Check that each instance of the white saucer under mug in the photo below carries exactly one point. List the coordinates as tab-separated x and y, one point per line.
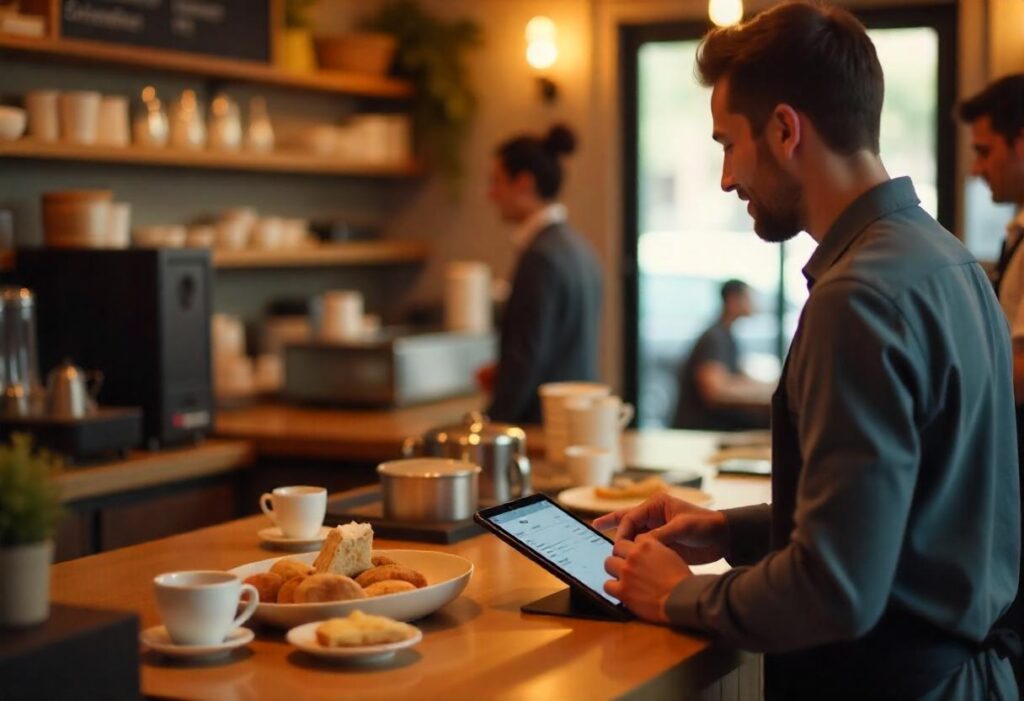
273	536
157	638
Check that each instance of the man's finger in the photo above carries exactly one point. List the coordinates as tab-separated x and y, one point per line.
614	587
623	548
672	530
607	521
613	566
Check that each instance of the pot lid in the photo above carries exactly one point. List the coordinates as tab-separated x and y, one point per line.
477	429
432	468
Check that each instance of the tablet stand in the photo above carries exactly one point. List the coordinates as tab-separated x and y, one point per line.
567	603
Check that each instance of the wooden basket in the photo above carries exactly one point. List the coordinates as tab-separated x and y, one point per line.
358	52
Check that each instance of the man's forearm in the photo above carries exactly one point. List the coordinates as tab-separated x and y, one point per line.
1018	370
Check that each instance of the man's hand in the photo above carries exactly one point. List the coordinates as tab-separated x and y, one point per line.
645	574
485	377
697	535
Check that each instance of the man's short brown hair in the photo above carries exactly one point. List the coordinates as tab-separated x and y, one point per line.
816	59
1002	102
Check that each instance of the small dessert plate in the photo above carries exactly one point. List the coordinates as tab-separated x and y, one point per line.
274	537
157	638
304	638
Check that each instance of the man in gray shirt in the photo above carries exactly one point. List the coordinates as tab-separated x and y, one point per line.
893	538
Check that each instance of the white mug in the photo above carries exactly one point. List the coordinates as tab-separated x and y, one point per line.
43	115
113	129
467	297
80	116
342	317
553	397
589	465
198	607
599	422
297	511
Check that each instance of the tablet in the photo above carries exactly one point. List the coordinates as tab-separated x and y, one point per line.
561	543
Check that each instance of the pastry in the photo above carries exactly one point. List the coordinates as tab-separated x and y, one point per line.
290	568
389	586
327	587
625	488
379	574
346	551
379	560
286	595
362	629
267	584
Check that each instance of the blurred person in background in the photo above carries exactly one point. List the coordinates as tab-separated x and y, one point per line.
551	322
714	393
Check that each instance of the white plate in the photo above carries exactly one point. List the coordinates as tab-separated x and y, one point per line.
157	638
447	575
304	638
584	499
274	536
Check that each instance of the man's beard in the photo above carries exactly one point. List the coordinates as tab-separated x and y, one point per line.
778	220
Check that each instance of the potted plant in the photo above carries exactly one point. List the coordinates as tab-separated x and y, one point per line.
29	511
295	40
431	55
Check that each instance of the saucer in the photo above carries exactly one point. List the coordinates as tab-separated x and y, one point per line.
304	638
157	638
273	536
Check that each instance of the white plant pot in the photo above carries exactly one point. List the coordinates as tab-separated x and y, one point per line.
25	584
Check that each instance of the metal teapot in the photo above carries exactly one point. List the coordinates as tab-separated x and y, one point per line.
71	392
499	449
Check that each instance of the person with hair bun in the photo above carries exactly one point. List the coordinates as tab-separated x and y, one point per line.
549	330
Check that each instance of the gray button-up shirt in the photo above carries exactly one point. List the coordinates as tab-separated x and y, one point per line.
901	489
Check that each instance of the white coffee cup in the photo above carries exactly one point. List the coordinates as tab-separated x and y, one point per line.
467	297
297	511
79	116
598	422
119	235
198	607
553	397
43	115
342	317
589	465
113	129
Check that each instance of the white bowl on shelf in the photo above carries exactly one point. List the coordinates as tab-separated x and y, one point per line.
12	123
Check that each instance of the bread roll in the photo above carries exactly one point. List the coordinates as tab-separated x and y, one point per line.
389	586
379	574
362	629
327	587
379	560
286	595
267	584
290	568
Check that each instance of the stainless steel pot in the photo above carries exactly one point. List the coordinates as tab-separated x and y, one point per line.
499	449
429	490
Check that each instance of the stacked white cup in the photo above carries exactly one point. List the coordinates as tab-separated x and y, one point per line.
553	399
342	318
467	297
595	437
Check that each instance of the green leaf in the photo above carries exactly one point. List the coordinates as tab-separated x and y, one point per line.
29	498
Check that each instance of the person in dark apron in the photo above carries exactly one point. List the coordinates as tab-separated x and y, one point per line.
996	119
892	543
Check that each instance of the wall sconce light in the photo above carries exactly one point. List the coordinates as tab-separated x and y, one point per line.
725	12
542	52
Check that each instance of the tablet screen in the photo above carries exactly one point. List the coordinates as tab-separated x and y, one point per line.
561	540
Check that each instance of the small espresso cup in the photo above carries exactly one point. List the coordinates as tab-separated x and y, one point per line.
589	465
342	318
297	511
198	607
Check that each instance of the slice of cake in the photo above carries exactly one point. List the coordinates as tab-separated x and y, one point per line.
347	550
362	629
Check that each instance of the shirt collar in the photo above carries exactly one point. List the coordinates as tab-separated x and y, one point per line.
878	202
554	213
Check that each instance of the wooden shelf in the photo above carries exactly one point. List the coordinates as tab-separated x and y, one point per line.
326	255
78	50
276	162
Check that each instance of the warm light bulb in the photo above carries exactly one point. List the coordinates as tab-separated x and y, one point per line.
725	12
541	45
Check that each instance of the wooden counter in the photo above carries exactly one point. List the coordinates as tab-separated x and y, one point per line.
479	646
281	430
143	469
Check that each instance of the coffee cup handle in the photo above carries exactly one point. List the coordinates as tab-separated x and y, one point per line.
250	605
265	501
626	414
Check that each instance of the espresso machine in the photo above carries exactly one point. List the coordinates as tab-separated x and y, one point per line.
63	415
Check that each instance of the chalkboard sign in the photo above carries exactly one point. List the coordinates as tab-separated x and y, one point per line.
225	28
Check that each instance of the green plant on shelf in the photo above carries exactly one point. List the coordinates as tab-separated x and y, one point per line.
431	54
29	499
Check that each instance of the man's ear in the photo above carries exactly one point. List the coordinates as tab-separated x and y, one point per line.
786	126
524	181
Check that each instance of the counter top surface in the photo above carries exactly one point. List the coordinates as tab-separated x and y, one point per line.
478	645
283	430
